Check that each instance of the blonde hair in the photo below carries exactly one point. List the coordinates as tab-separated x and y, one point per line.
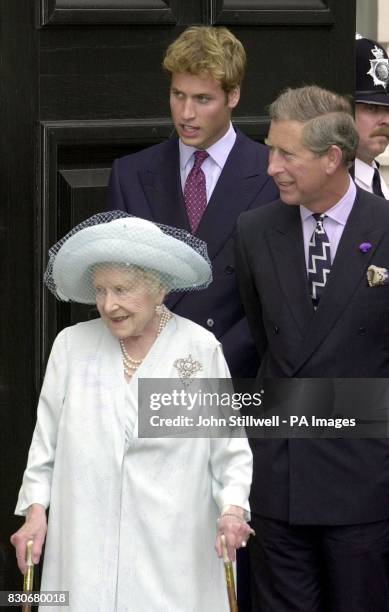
328	119
206	50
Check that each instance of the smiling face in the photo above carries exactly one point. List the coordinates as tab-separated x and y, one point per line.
126	299
201	110
300	175
373	128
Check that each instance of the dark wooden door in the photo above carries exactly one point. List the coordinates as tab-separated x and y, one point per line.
81	83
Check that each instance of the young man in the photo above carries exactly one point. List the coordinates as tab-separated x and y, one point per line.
319	506
164	183
371	114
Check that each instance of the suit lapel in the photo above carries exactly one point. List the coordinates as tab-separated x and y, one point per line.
348	271
161	183
287	249
235	190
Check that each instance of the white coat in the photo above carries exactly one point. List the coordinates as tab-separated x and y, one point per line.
132	521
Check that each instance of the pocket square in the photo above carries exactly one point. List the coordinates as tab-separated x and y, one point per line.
377	276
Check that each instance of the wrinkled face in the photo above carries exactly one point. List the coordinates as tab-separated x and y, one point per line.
373	128
201	110
126	300
300	175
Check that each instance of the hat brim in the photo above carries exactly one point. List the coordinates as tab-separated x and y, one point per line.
381	99
129	241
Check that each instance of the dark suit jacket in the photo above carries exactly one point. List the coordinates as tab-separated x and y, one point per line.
147	184
317	481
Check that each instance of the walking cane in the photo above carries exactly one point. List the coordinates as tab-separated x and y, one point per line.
229	572
28	582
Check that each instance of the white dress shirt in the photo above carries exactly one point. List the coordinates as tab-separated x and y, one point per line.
336	218
364	177
213	165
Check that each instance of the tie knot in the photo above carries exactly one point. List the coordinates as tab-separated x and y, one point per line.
319	218
200	156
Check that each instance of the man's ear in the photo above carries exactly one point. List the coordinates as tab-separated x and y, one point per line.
233	97
334	159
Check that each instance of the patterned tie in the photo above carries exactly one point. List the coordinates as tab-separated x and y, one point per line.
376	184
319	260
195	194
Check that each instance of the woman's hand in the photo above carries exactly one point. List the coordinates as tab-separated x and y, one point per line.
34	529
235	529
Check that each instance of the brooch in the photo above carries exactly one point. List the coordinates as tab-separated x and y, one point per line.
364	247
377	276
187	367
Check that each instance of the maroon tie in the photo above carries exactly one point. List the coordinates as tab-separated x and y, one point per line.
195	193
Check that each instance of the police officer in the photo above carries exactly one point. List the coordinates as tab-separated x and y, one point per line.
371	113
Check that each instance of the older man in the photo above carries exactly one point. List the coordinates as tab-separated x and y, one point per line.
320	506
202	180
371	114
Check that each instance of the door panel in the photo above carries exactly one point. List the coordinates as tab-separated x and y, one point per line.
82	12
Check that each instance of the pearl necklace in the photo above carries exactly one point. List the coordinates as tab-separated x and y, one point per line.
130	364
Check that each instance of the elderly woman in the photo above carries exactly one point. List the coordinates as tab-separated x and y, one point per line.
132	520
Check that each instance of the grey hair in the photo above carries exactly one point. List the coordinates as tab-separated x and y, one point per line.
147	278
328	119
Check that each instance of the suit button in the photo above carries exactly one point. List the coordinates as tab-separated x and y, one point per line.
276	330
210	322
229	269
362	331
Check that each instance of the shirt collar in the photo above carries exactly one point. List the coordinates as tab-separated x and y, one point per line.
219	151
340	211
364	171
